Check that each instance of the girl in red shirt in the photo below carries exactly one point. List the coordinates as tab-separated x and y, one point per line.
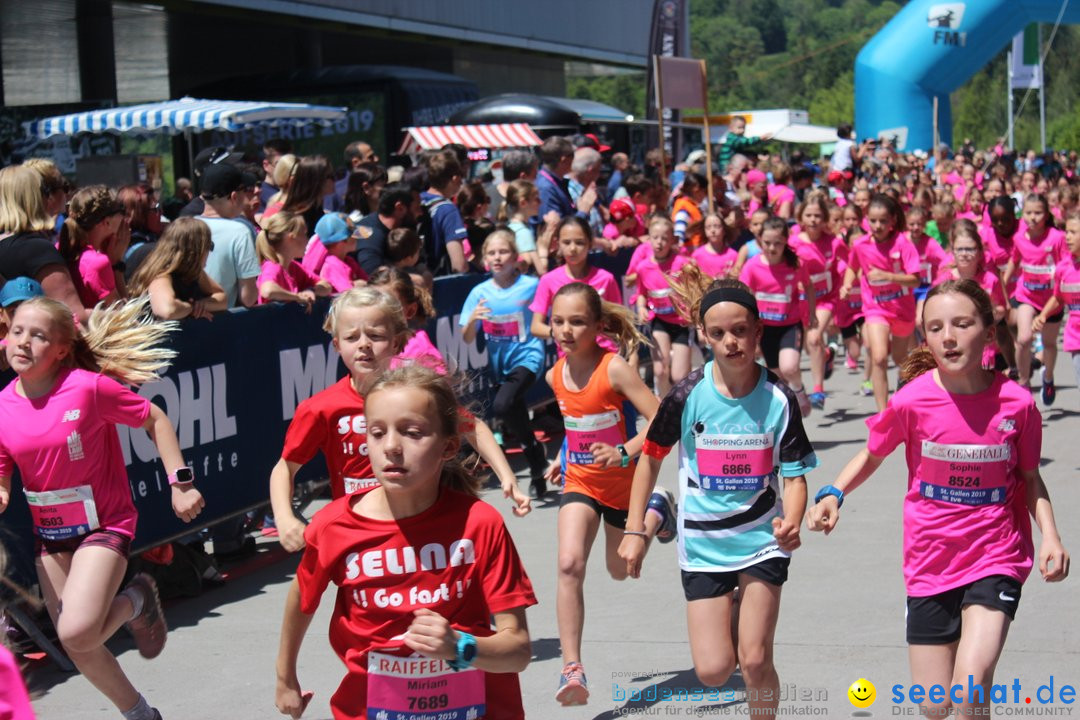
423	569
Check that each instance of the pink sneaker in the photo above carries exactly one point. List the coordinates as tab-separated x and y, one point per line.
573	690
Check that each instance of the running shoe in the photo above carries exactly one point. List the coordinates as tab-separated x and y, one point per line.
804	402
148	628
573	690
817	400
663	502
1049	392
852	364
867	387
830	357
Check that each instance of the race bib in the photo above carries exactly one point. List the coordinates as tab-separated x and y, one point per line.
505	328
660	301
773	306
927	273
63	514
964	474
1070	293
582	432
1038	277
854	299
419	688
728	463
822	283
885	290
355	485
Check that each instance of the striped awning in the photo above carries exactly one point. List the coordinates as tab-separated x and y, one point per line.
185	114
501	135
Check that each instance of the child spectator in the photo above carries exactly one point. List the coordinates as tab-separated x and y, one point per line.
93	240
174	276
280	244
736	141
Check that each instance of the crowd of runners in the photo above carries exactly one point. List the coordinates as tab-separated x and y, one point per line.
961	268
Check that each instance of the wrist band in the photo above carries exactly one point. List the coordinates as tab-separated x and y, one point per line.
635	532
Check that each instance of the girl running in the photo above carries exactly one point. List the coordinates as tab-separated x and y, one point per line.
716	257
591	384
887	267
825	255
575	241
652	297
998	234
424	569
499	308
280	245
1066	293
57	424
752	247
1037	250
931	256
776	278
973	443
740	430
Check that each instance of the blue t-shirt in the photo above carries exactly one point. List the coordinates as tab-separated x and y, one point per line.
447	225
510	344
731	455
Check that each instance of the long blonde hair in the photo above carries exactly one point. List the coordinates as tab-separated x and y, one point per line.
22	206
449	416
123	341
274	230
179	252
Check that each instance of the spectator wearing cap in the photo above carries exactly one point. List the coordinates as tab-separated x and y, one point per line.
272	151
232	263
26	247
624	227
584	172
12	293
620	163
328	254
216	155
93	241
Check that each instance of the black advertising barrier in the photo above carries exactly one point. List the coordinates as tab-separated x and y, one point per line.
231	393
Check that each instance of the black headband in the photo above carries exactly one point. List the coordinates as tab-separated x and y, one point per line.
728	294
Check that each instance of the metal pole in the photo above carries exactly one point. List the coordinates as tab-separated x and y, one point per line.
1042	95
1009	93
937	143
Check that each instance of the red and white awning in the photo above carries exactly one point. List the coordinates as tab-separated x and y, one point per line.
496	136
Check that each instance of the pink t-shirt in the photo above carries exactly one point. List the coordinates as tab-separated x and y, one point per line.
67	439
601	280
341	273
998	250
835	251
778	195
421	350
295	279
1035	265
315	255
987	279
931	258
1067	291
814	262
652	281
611	232
96	279
776	289
715	264
885	299
14	701
965	511
848	310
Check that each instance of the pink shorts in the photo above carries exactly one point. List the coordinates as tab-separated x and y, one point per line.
897	327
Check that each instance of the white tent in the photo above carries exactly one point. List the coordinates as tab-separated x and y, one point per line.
792	126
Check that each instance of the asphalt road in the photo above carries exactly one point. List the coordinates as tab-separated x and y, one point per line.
841	619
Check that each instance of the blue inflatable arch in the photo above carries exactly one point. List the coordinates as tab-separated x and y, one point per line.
929	49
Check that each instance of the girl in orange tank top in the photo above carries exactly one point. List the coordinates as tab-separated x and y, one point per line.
590	385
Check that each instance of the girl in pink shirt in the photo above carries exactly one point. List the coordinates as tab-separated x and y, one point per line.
777	278
280	245
656	305
823	254
931	255
93	240
716	257
973	444
328	254
1035	255
1066	293
58	426
887	267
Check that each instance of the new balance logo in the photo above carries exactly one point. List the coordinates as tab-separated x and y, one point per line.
1007	425
75	447
71	416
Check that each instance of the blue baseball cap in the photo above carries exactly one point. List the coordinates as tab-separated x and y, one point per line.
332	229
19	289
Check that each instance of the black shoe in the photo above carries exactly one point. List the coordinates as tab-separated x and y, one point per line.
245	550
538	487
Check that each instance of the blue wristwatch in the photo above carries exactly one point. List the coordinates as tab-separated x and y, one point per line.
466	652
830	490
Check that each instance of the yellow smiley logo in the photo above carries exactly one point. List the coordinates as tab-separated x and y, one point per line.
862	693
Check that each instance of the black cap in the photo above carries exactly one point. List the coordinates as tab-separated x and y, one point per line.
220	181
215	155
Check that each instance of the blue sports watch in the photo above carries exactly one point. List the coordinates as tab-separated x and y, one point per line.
466	652
624	459
830	490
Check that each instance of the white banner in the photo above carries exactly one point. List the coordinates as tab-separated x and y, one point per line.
1025	72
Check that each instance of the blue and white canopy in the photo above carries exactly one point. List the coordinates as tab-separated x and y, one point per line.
184	115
